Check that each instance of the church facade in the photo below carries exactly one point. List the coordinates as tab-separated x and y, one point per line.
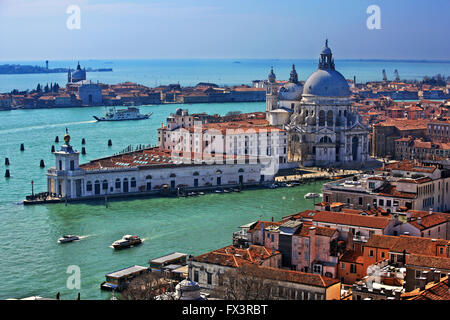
323	128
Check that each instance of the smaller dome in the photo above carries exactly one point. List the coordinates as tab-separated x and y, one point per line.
188	290
272	78
326	50
291	91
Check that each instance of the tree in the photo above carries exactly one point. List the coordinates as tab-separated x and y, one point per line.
38	88
247	282
147	287
46	88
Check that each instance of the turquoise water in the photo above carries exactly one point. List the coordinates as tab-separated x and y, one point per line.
33	263
222	72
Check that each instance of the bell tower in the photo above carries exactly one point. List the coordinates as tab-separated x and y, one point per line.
61	179
271	92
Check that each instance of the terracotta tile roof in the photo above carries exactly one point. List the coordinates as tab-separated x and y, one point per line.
147	157
425	246
349	219
304	230
409	165
427	220
311	279
235	257
381	241
391	191
438	291
257	226
404	124
415	181
419	260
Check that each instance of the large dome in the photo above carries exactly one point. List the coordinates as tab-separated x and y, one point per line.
291	91
327	83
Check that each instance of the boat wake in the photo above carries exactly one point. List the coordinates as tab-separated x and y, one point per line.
86	236
55	125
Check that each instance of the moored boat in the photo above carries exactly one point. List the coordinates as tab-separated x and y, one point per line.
311	195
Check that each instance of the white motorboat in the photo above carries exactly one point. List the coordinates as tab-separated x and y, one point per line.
68	238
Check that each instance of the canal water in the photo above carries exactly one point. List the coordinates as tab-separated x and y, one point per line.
31	260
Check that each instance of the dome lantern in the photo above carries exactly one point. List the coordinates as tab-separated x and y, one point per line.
326	58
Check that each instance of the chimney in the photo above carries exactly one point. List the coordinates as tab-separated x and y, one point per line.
349	244
436	276
430	211
419	220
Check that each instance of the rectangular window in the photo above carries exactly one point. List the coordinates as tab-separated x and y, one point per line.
209	277
342	266
353	268
196	276
370	253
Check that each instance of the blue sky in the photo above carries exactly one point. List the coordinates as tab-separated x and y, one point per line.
36	29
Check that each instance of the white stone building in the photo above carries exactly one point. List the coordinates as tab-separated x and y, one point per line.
248	134
149	171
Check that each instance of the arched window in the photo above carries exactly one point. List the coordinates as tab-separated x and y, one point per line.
148	177
219	172
329	118
325	139
133	182
117	183
88	186
241	170
105	185
321	118
195	173
173	175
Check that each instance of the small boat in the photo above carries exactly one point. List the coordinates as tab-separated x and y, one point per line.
201	193
218	191
237	190
126	242
68	238
311	195
131	113
226	191
289	185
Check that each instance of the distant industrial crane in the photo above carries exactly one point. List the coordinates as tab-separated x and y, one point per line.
384	76
397	77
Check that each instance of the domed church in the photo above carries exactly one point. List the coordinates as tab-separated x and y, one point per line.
324	129
77	75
